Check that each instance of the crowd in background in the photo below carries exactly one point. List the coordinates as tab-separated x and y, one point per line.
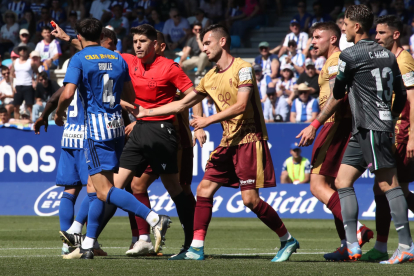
287	75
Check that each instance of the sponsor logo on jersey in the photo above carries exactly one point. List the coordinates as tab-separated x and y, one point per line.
408	79
333	69
72	135
247	182
341	66
245	74
116	123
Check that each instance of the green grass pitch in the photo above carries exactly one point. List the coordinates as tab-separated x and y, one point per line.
31	246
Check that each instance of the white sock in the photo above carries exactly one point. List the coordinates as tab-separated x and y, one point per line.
285	237
197	243
381	246
134	239
75	228
359	225
152	218
145	237
343	243
88	243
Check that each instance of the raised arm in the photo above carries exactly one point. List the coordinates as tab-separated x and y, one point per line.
60	34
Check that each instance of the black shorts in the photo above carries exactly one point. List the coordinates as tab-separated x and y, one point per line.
151	143
370	149
25	93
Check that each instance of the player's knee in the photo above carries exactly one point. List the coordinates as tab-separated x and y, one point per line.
137	187
204	189
251	202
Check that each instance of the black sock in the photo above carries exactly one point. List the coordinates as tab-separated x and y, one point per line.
185	211
109	213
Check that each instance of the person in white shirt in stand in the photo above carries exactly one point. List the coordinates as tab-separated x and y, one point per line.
98	8
21	73
49	49
6	91
301	38
295	58
209	108
262	81
9	32
270	106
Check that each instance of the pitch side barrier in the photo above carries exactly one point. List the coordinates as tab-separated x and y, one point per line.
28	164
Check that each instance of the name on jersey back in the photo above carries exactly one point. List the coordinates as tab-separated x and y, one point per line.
379	54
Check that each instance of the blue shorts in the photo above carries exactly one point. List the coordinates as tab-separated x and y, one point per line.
72	169
103	156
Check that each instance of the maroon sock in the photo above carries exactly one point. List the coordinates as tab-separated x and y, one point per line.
382	218
202	217
133	224
143	226
334	205
410	201
269	217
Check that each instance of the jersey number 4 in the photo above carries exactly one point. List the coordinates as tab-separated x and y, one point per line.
376	73
108	94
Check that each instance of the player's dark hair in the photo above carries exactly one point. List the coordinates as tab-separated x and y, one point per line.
4	68
145	29
292	43
107	33
160	37
3	110
392	21
361	14
90	29
43	75
328	26
217	28
46	28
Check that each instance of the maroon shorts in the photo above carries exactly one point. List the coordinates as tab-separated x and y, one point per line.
248	166
330	146
405	168
185	166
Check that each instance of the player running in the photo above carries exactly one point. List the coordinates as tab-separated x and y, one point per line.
389	30
243	157
102	76
362	67
72	170
332	140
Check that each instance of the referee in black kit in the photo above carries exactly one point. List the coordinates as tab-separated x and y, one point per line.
371	74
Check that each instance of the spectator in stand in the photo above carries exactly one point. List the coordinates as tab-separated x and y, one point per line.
36	7
250	18
24	38
377	8
6	91
119	22
176	30
44	90
209	108
165	7
141	20
45	19
343	43
156	20
77	6
301	38
29	23
262	81
49	50
213	9
270	105
9	32
304	108
284	91
401	11
57	13
98	8
190	6
295	58
318	14
192	49
310	78
269	62
148	5
125	8
5	118
296	169
18	7
200	17
233	12
302	17
318	61
22	71
71	24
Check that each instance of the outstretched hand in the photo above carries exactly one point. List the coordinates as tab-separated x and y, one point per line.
135	109
308	135
40	122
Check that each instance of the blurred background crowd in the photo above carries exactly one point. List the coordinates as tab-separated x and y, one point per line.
271	34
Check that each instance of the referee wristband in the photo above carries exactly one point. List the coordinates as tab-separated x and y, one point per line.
316	124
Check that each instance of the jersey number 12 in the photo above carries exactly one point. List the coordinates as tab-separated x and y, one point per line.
108	94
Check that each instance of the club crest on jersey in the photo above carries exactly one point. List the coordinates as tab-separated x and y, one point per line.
152	84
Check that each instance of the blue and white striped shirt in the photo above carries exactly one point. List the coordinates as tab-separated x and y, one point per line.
74	132
304	110
19	7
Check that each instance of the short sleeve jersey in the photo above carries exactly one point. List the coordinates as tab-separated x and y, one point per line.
223	87
328	72
402	128
156	84
370	72
74	131
100	75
